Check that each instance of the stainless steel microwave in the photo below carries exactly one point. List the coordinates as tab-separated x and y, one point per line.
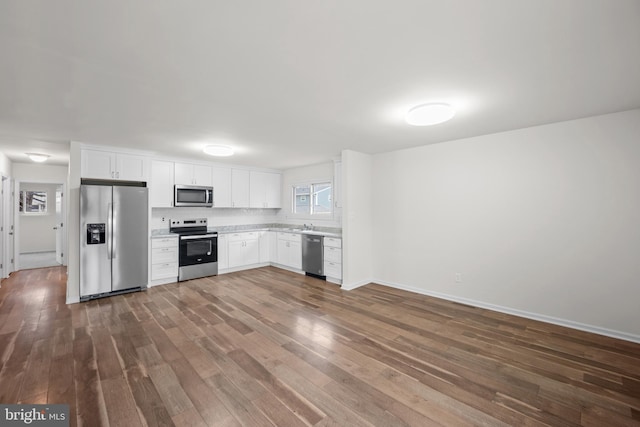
191	195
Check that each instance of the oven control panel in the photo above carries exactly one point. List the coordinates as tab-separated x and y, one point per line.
185	223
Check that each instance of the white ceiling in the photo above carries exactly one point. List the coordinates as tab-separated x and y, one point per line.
290	82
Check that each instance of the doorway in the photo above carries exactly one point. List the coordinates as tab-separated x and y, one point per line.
7	235
40	237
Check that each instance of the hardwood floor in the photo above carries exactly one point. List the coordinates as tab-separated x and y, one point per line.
268	347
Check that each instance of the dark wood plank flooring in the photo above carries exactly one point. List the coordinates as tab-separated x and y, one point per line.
268	347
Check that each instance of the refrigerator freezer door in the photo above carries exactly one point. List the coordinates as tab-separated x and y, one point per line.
130	238
95	265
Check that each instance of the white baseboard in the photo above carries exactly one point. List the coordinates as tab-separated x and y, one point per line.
354	285
164	281
284	267
262	264
520	313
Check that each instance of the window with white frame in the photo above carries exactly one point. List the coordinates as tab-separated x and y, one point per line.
313	199
32	202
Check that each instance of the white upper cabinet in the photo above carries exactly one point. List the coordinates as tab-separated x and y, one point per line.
265	190
221	178
190	174
100	164
239	188
97	164
131	168
273	195
161	184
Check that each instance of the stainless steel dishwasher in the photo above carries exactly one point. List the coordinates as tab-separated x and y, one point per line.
312	255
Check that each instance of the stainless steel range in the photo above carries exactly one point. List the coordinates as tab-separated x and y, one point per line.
198	248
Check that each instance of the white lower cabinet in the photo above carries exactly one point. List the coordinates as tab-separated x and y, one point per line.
243	249
267	246
250	249
333	259
289	248
164	259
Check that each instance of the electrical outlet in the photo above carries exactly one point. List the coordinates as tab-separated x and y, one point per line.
458	277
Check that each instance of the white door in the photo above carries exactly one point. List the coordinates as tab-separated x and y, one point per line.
11	214
59	227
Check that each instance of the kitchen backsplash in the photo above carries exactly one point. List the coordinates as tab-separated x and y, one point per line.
160	217
218	217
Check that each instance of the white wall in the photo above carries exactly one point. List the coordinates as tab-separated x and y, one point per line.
73	219
5	165
36	172
308	174
357	231
36	233
5	174
543	221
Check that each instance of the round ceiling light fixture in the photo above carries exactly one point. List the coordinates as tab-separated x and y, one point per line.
218	150
37	157
429	114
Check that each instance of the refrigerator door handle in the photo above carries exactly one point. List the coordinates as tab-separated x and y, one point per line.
109	230
114	231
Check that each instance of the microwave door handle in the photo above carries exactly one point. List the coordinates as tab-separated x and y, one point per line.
210	196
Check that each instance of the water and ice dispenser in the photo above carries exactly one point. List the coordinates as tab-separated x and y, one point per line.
96	234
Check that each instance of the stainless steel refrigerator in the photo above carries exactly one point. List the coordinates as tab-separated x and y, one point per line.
113	240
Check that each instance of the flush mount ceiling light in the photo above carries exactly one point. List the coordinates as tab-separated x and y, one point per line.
429	114
39	158
218	150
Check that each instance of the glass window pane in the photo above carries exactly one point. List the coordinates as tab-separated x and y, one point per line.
301	199
322	199
33	201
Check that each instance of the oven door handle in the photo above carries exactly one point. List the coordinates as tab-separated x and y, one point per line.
198	236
